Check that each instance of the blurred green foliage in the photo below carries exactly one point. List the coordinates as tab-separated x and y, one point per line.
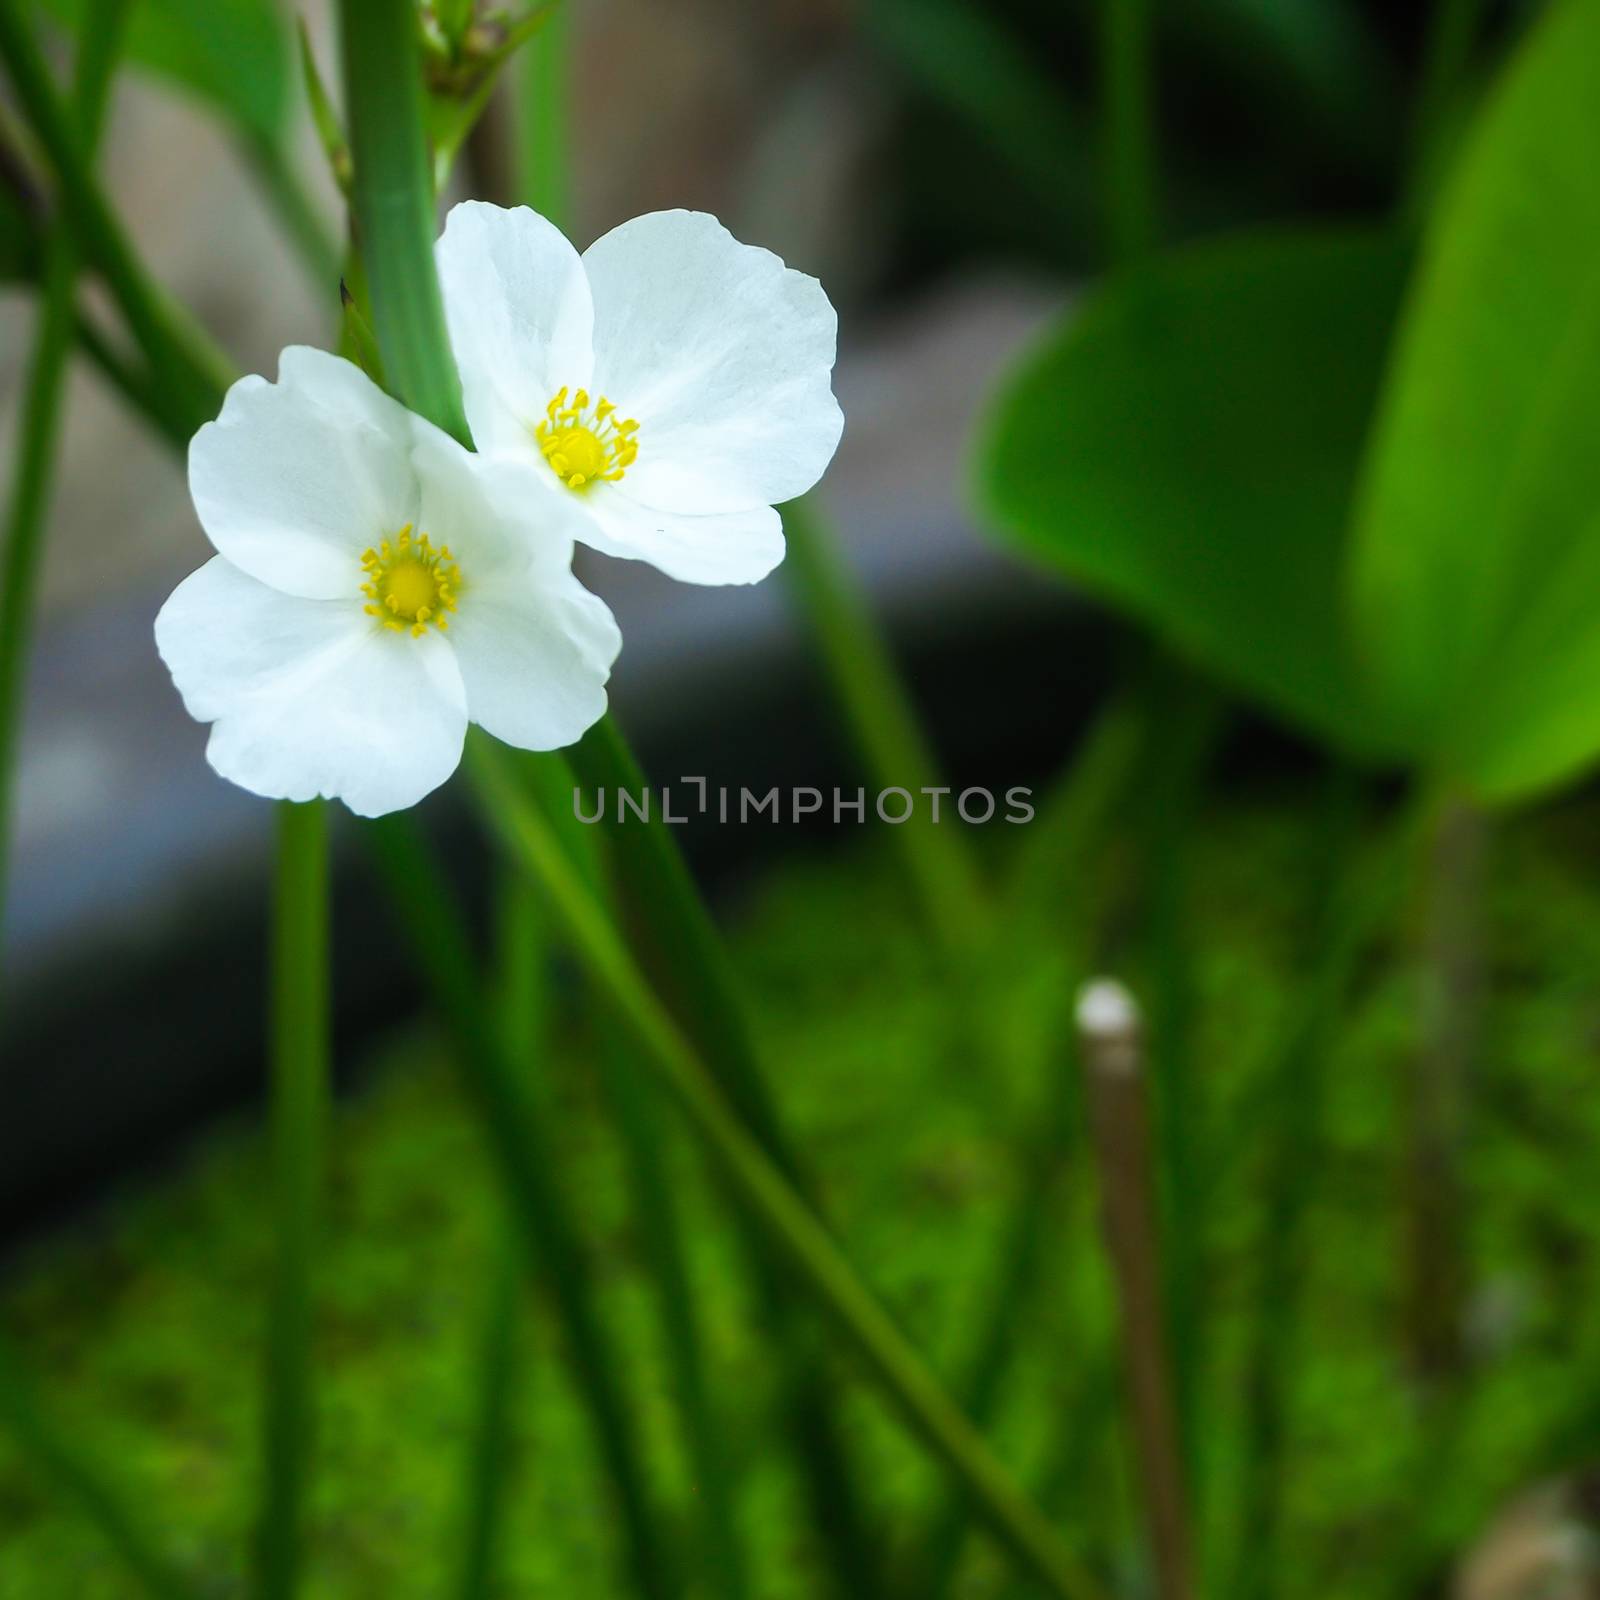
144	1319
1184	445
235	56
1409	567
1477	550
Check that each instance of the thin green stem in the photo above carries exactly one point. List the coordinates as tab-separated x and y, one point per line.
312	240
884	727
521	948
28	510
655	1207
489	1449
1127	110
763	1188
174	345
136	387
300	1062
543	178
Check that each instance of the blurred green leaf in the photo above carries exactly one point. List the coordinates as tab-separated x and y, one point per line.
1476	563
1184	445
233	54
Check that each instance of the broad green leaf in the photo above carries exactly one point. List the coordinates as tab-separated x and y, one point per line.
1185	447
233	54
1476	559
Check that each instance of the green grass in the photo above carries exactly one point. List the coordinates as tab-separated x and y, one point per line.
144	1321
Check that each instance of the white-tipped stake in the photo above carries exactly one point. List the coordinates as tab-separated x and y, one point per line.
1109	1033
1106	1010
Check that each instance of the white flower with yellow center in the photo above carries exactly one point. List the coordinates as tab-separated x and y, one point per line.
671	384
376	587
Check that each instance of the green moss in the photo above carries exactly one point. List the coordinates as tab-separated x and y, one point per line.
143	1323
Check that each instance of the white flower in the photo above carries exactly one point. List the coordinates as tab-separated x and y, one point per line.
376	588
670	382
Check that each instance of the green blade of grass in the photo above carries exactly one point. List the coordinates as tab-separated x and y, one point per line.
28	509
807	1245
299	1103
175	346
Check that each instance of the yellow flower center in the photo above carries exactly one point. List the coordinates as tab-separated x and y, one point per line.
410	584
584	445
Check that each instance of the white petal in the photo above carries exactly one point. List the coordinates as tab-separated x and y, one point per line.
724	357
310	697
495	513
731	547
296	478
535	656
520	318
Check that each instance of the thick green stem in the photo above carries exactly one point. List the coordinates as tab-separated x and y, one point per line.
763	1188
394	208
27	512
300	1061
884	727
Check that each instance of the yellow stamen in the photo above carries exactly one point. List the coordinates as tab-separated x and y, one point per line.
583	446
410	584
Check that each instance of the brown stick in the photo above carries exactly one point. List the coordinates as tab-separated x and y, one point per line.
1110	1035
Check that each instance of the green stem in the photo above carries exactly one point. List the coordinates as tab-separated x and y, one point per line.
656	1209
884	727
1126	73
543	178
313	242
300	1061
58	1459
137	388
489	1458
174	345
551	1239
762	1187
28	510
393	205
